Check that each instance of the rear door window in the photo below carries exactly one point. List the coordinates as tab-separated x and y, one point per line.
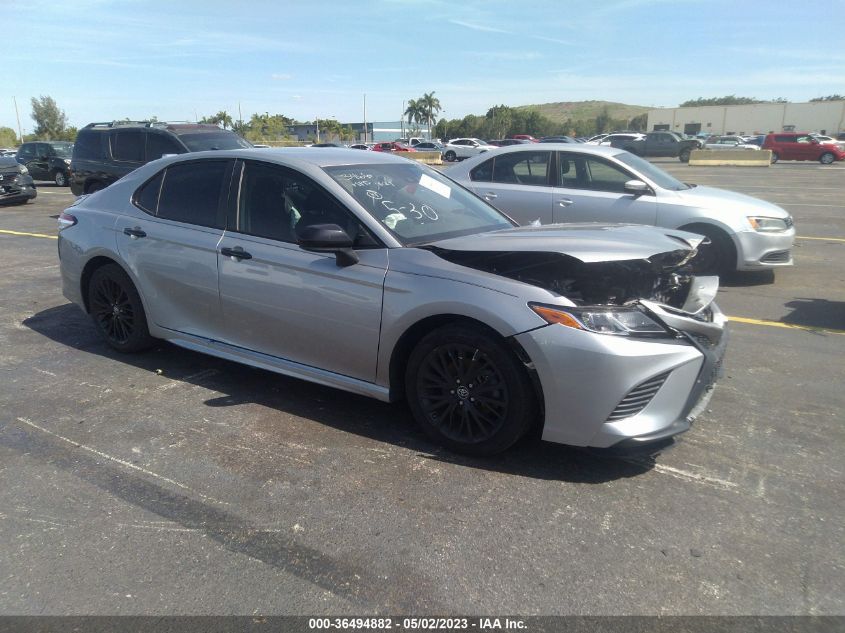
88	146
128	145
192	192
522	168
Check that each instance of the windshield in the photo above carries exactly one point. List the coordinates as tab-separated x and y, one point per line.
201	141
652	172
416	203
62	150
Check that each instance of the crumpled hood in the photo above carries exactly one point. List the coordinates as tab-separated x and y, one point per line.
714	198
589	242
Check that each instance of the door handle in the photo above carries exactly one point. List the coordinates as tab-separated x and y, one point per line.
565	202
236	253
490	196
134	233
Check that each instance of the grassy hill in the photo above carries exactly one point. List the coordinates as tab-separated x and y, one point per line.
585	110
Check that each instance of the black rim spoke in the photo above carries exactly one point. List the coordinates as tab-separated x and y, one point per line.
462	393
112	309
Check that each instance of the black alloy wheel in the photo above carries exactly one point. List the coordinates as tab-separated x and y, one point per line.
468	391
450	155
117	311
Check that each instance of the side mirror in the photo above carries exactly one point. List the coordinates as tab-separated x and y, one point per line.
328	238
637	188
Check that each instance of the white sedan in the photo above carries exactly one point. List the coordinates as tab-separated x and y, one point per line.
729	142
461	148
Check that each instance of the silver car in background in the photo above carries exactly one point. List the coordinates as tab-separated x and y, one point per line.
584	183
378	275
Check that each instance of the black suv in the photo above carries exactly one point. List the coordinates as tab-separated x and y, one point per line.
46	160
105	152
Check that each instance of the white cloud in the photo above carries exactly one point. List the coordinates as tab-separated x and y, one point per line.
478	27
281	76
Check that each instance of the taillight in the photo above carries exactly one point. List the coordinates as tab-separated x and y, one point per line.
66	220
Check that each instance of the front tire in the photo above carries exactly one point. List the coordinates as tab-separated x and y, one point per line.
827	158
716	258
116	309
468	391
60	178
775	157
450	156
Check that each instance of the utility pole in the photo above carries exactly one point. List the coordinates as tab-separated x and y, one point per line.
240	119
18	116
402	121
365	117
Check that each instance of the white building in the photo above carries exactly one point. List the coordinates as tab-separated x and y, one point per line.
825	117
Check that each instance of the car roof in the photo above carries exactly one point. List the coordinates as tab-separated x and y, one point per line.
326	157
578	148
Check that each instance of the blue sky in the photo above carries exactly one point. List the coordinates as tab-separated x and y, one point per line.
110	59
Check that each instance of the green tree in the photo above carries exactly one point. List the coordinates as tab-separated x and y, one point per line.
836	97
414	112
603	121
50	121
221	118
639	122
717	101
430	108
8	137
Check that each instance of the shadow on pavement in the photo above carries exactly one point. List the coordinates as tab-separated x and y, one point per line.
378	421
816	313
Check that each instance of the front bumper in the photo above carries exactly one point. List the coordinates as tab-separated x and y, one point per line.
758	251
16	188
589	380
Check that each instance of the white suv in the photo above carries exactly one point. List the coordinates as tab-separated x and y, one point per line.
460	148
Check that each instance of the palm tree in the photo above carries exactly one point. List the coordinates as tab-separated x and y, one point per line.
414	111
430	106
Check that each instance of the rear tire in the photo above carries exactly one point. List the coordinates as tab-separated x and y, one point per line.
116	309
684	155
827	158
450	156
468	391
94	187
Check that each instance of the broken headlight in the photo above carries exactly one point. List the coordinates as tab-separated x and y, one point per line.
615	320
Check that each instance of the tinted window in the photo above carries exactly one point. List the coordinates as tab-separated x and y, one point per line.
581	172
88	146
61	150
522	168
147	196
128	145
784	138
202	141
483	173
191	193
27	150
158	145
265	208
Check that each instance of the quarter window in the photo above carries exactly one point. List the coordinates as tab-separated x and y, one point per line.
146	198
191	193
483	173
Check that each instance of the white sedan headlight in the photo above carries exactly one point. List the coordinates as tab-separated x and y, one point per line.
767	225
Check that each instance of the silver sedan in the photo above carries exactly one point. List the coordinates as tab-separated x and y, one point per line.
379	276
582	183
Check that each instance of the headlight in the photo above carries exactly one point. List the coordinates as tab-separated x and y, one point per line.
24	170
767	225
616	320
67	161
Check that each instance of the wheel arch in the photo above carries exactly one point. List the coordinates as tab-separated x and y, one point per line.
703	226
417	331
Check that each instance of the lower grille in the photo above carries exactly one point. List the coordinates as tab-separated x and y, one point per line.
638	398
777	257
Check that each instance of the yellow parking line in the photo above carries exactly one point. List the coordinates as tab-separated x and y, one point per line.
789	326
822	239
49	237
